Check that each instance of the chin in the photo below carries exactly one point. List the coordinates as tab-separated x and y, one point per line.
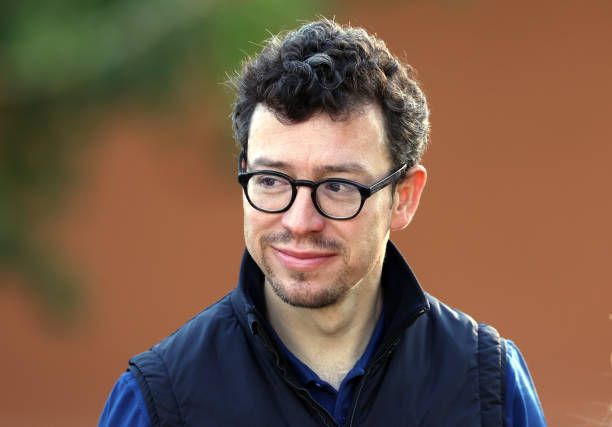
304	294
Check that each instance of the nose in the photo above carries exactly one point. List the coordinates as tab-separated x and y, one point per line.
302	217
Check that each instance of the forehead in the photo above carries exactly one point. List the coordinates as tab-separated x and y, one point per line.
321	141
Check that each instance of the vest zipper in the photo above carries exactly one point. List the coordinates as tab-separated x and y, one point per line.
326	417
321	411
384	355
374	365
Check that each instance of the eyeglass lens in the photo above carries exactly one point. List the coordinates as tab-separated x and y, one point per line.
274	193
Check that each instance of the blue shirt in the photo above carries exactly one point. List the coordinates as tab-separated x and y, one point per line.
126	407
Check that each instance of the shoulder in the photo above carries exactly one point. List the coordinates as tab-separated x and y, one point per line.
460	342
455	325
201	337
450	324
214	324
450	314
194	352
459	332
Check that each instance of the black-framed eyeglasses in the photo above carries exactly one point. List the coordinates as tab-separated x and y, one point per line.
334	198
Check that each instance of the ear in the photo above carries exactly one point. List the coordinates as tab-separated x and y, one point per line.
407	196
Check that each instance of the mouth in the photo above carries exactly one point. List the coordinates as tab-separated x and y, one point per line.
302	260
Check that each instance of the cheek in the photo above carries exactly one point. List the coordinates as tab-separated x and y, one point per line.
377	215
373	232
256	224
249	226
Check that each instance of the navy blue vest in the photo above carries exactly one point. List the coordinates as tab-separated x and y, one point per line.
435	366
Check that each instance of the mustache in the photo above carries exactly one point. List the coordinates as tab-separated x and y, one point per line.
314	240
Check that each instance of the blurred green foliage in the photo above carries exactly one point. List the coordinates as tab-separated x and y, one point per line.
60	59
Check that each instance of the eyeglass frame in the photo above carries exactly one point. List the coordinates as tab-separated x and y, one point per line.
364	190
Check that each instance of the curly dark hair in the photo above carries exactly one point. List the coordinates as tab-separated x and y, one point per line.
326	67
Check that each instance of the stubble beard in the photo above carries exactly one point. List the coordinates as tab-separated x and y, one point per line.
298	291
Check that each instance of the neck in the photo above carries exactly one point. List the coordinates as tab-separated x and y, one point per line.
329	340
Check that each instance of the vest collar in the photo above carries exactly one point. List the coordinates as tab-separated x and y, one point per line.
403	298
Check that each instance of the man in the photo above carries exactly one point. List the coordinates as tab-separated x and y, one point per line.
328	325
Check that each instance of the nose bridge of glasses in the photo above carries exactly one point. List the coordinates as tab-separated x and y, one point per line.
297	183
304	183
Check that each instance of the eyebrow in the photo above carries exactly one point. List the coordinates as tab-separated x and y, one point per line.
269	163
324	169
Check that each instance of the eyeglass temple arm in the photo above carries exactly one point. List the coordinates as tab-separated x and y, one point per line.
380	184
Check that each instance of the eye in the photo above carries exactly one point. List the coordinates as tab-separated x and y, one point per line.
267	181
338	187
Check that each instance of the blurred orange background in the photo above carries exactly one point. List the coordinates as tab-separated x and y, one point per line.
514	226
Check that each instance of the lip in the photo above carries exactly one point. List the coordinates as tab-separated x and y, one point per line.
302	260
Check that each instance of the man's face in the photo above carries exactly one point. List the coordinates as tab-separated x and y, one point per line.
309	260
